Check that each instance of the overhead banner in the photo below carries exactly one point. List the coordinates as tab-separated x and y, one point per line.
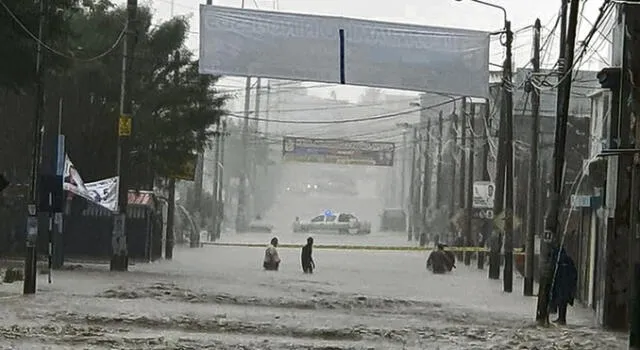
102	192
248	42
337	151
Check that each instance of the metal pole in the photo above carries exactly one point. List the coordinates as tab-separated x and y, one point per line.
533	170
216	182
469	197
426	182
508	201
439	163
241	219
486	223
120	257
29	286
171	209
412	184
551	233
454	166
221	201
403	169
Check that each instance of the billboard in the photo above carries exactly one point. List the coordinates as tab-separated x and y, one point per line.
337	151
248	42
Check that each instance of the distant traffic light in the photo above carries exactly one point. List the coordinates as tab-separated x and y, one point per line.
4	183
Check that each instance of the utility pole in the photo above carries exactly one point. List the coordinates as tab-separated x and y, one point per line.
469	197
31	255
508	201
631	15
551	233
120	257
216	180
219	195
171	211
254	146
486	223
426	182
454	145
403	170
439	162
412	185
241	216
171	206
463	160
532	207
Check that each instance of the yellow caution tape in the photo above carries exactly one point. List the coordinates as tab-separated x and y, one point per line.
359	247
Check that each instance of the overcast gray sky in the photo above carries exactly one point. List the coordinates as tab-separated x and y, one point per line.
448	13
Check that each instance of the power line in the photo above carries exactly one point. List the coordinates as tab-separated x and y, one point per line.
345	121
37	40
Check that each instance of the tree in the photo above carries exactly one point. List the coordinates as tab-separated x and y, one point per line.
19	21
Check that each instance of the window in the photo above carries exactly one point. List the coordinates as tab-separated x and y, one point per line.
319	218
345	217
331	218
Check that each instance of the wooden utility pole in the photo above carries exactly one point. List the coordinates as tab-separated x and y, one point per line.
552	235
508	198
241	216
412	184
438	200
216	180
171	206
426	182
120	254
469	197
454	145
486	223
463	162
30	263
532	207
171	212
632	22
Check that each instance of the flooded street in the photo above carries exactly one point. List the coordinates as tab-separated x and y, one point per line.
219	298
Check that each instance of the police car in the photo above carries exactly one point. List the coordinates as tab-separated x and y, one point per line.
329	222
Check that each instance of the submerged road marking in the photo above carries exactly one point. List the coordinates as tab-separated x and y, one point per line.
358	247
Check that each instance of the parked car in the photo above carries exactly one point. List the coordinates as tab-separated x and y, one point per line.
393	219
259	226
342	223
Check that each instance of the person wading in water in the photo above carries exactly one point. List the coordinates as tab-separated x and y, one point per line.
307	260
271	258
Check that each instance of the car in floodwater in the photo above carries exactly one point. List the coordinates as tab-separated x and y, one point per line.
341	223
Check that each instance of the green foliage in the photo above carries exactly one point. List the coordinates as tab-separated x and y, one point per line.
17	70
174	105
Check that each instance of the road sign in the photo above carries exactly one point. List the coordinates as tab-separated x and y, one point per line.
124	125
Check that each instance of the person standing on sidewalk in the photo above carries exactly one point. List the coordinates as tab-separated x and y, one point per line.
564	284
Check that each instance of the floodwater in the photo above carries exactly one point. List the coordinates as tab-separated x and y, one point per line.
219	298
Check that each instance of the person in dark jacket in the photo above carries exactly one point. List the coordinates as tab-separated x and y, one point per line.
307	260
439	261
564	284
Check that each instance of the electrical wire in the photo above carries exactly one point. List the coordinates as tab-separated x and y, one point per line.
36	39
344	121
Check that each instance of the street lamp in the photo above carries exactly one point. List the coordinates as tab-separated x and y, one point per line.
504	178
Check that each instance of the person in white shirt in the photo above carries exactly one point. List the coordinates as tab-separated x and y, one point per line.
271	258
